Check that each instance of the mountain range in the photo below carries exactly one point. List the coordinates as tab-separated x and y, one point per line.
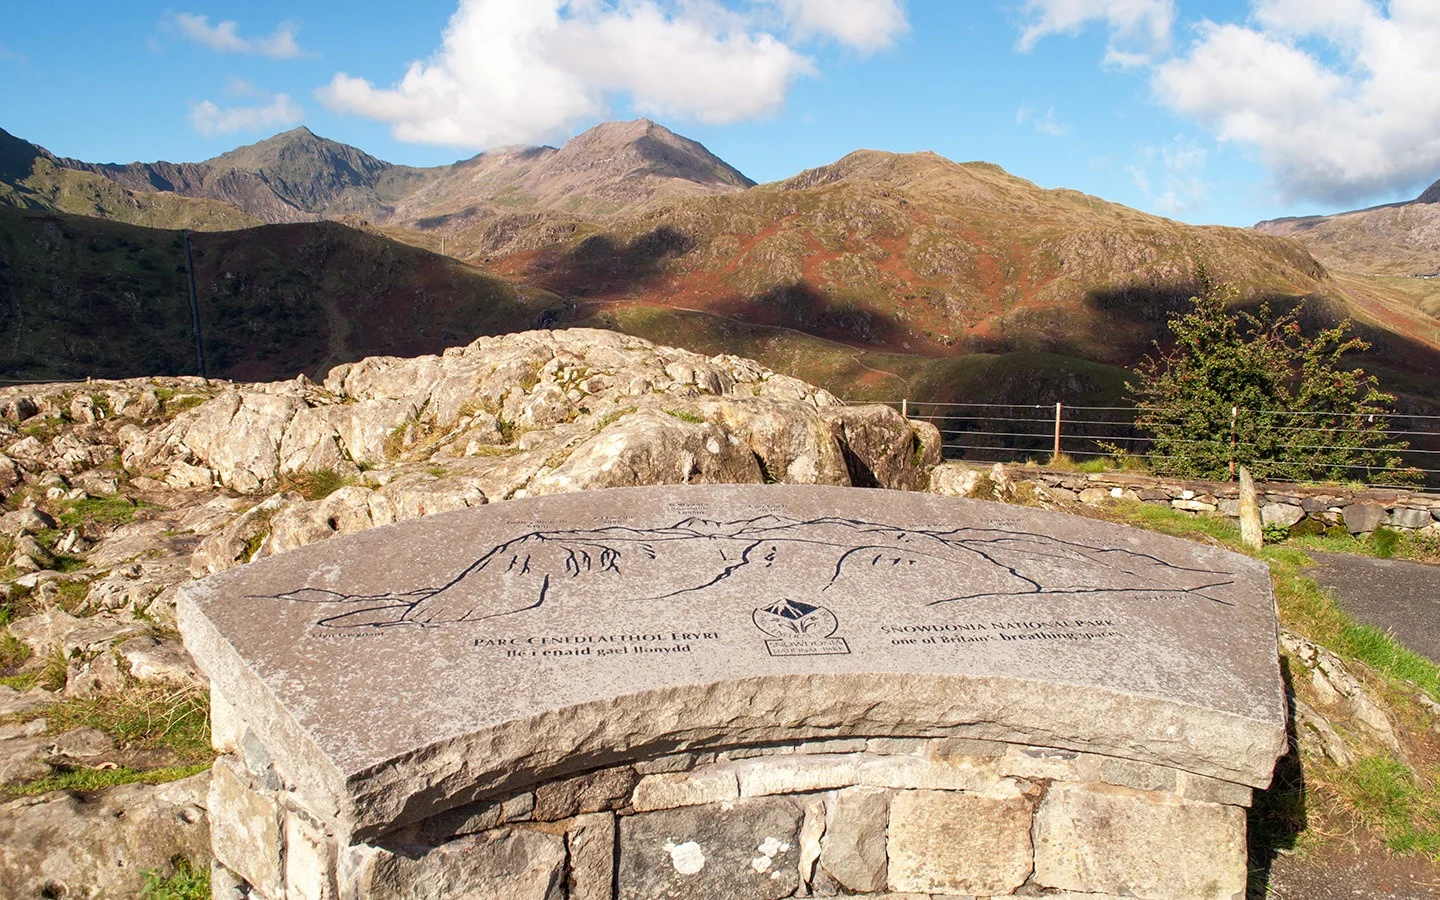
1395	239
879	274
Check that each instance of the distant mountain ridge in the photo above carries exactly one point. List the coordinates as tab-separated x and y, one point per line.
299	176
1394	239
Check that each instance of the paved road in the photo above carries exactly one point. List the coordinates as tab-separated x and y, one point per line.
1393	595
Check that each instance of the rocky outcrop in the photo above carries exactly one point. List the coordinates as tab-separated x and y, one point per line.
519	415
64	844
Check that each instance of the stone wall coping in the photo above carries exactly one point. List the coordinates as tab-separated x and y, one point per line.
385	721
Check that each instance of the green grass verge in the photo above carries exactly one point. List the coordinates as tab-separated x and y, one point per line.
82	779
115	510
1387	797
145	718
186	882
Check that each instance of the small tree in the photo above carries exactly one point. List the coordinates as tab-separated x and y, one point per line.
1254	389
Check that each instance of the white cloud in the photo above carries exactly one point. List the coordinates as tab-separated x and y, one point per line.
1139	29
1340	98
212	120
1046	124
522	71
1171	177
866	25
224	37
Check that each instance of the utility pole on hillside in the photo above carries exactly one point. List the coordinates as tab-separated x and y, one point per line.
194	307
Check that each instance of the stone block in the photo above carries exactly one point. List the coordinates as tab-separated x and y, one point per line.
1046	763
940	774
797	774
952	842
748	850
1407	517
469	819
226	727
812	830
245	827
853	849
518	808
509	864
588	793
675	762
1094	495
1361	518
1193	505
1283	514
691	788
951	747
591	842
1213	790
309	860
1102	839
1137	775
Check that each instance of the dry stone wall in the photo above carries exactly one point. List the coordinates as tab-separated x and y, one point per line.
853	816
1299	509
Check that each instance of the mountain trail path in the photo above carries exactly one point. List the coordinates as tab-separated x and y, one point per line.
1396	596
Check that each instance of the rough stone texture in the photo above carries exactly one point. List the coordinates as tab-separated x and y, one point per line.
509	864
951	842
1407	517
309	861
745	851
1101	839
591	845
592	792
667	791
1142	777
1361	518
1110	671
245	828
853	850
98	846
796	774
1282	514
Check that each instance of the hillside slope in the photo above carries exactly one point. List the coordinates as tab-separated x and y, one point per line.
915	253
33	178
1397	239
84	297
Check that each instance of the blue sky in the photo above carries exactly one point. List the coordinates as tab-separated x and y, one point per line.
1223	112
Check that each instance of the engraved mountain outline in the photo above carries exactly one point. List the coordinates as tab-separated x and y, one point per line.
524	573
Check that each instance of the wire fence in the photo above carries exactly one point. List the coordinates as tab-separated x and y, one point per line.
1013	432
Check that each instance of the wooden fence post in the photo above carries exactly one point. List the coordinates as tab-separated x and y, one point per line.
1055	456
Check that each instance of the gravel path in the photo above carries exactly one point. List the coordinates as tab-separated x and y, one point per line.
1393	595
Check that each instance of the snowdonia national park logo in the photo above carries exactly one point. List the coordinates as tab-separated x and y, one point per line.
799	629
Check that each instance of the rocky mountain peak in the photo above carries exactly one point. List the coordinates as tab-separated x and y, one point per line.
1431	194
643	148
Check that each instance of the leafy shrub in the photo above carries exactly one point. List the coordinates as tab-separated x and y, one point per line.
1254	389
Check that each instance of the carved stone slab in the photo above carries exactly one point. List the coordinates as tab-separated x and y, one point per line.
408	669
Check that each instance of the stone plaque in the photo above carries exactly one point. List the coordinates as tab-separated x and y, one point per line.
414	667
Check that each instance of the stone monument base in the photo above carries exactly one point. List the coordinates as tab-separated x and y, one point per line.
893	817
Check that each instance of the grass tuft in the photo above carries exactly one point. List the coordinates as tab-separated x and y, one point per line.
315	485
187	882
146	717
82	779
